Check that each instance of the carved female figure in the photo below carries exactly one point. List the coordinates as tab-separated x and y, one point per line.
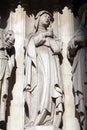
7	53
43	88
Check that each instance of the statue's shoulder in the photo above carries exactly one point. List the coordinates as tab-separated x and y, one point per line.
30	35
27	39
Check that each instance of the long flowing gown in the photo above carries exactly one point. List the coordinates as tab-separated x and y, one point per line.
43	75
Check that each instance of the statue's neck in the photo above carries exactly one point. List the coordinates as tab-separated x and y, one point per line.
42	28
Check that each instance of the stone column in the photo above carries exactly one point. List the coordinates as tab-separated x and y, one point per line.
57	25
64	26
67	31
29	24
16	22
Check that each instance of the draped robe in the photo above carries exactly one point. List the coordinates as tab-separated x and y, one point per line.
43	75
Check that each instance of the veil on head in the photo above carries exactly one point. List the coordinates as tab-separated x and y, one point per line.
36	24
37	18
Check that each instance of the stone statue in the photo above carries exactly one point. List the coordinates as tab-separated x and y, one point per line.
7	58
76	56
43	87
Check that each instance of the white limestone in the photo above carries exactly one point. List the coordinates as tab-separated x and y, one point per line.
63	27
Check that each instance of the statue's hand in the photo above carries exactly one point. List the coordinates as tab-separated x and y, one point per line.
42	41
28	88
79	41
48	33
39	39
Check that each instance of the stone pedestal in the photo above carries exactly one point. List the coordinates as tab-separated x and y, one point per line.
43	128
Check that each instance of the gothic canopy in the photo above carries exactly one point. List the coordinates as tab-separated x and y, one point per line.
33	6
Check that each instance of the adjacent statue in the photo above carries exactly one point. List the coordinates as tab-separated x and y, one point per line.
7	58
43	87
77	50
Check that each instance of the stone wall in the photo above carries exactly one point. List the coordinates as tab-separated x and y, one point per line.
22	24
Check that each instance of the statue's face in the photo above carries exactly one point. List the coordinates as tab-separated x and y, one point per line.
45	19
9	39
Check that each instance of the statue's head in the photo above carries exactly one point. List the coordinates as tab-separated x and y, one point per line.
9	39
43	18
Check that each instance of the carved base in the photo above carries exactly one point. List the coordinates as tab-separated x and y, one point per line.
42	128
